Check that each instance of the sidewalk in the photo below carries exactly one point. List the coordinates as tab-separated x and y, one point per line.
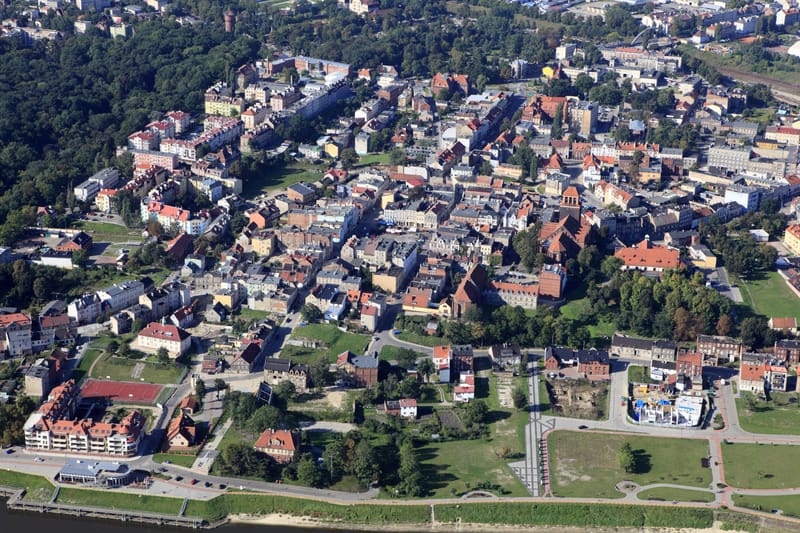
209	452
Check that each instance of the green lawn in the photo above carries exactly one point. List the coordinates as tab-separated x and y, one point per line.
769	295
174	458
779	416
105	231
119	500
638	374
460	465
27	481
681	495
584	464
280	175
89	357
337	341
391	353
761	466
422	340
789	504
374	159
119	369
245	313
580	309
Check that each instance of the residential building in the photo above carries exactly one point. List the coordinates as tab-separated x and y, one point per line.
360	370
15	334
277	371
181	432
465	390
594	365
244	361
648	257
719	348
155	336
792	238
120	295
404	408
632	347
280	444
759	374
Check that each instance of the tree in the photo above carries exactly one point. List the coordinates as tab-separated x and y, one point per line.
80	258
406	358
533	171
626	459
124	350
364	464
348	158
162	355
475	412
220	385
311	313
557	130
409	473
426	368
724	325
200	388
308	473
520	397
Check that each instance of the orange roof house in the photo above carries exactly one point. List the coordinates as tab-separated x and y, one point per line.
280	444
648	257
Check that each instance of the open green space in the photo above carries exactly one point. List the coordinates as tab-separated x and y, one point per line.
584	464
391	353
670	494
280	175
175	459
335	341
423	340
583	516
382	158
120	500
778	416
105	231
121	369
788	504
580	309
26	481
761	466
453	468
247	314
769	295
259	504
638	374
88	358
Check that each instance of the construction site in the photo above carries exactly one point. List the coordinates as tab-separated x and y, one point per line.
650	404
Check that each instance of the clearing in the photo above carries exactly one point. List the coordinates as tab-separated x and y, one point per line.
584	463
575	398
761	466
326	342
769	295
779	416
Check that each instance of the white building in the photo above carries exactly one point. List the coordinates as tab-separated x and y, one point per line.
156	336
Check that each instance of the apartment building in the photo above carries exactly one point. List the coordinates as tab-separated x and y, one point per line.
156	336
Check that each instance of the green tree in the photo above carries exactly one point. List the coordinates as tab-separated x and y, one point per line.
348	158
426	367
410	472
200	388
626	459
557	130
406	358
308	473
476	412
311	313
162	355
520	397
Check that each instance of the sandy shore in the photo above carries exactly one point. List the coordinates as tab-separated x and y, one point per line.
278	519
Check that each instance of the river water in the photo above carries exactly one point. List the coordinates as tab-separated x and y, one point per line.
19	522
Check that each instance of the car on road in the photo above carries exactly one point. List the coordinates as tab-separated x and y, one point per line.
396	332
193	481
10	450
167	462
376	338
583	427
178	478
207	483
38	459
288	319
223	486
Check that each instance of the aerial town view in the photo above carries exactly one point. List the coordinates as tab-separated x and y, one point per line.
372	264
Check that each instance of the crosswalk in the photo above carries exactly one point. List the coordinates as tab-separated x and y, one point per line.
532	471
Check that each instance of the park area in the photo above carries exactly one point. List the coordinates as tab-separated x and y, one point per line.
331	341
768	294
778	416
761	466
124	369
585	464
788	505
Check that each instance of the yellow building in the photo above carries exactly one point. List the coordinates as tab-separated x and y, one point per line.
792	238
263	243
333	149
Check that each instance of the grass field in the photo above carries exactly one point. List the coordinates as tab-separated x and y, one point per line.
770	296
89	357
779	416
638	374
788	505
120	369
245	313
580	309
175	459
584	464
119	500
373	159
19	480
337	341
422	340
679	495
761	466
280	175
390	353
105	231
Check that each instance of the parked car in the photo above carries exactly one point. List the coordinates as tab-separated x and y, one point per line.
193	481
